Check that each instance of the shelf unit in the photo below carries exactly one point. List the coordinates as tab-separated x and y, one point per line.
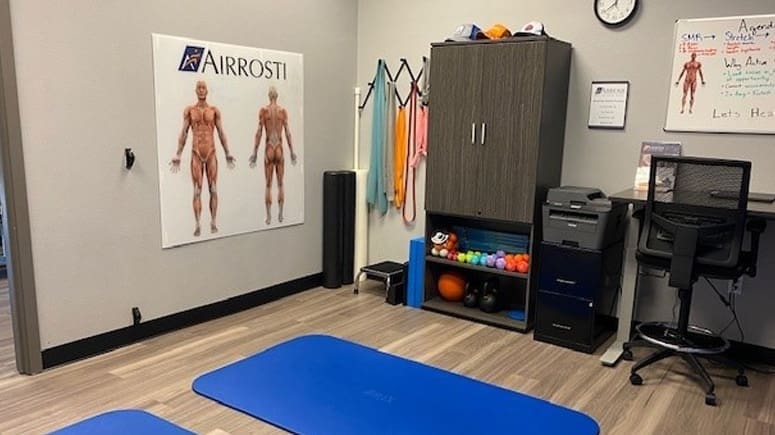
496	128
468	266
499	319
513	287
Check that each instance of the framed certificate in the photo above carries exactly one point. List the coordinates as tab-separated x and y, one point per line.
608	104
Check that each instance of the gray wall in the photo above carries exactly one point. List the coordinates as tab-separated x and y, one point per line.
640	53
86	91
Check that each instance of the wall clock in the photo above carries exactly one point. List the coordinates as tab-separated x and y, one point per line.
615	13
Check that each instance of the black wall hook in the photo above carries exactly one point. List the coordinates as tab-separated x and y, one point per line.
130	157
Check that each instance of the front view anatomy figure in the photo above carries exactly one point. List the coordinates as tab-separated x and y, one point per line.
274	119
691	69
203	119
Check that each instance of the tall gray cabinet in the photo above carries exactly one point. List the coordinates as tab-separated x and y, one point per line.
495	145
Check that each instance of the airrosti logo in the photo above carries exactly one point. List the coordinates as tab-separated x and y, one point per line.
192	57
198	59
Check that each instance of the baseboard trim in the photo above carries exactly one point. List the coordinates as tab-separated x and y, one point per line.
111	340
752	353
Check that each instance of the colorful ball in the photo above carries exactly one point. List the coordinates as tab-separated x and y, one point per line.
500	254
500	263
523	267
474	259
511	266
443	252
483	260
491	260
461	257
452	286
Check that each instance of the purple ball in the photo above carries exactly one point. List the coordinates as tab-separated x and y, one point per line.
491	260
500	254
500	263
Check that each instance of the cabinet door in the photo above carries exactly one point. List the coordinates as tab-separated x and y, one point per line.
450	182
512	84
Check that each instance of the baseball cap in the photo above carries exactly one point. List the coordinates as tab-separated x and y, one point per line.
497	31
533	28
465	32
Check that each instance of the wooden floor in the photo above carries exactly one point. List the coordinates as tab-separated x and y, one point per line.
156	375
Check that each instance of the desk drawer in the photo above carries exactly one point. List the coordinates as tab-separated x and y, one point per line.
570	271
565	318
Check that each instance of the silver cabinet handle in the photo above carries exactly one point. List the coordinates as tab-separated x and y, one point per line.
473	133
484	132
565	281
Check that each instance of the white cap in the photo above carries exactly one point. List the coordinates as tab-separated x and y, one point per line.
465	32
533	28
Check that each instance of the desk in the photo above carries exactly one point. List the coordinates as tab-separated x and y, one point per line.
630	267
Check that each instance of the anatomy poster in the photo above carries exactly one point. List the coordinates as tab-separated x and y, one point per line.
229	128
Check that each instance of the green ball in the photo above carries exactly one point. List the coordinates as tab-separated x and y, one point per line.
461	258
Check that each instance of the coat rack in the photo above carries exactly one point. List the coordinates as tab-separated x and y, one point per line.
394	78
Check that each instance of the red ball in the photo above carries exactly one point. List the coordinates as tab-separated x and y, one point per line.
523	267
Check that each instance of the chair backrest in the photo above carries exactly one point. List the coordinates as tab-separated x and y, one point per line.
696	212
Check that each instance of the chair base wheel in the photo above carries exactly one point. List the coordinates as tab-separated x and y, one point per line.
710	399
741	380
635	379
627	355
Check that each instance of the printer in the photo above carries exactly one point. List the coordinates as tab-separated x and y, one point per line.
582	217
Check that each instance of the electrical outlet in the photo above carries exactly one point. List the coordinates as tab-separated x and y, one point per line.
736	286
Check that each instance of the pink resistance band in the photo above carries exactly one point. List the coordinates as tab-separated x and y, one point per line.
421	136
411	155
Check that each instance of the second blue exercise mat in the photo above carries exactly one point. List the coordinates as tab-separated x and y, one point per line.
319	384
124	421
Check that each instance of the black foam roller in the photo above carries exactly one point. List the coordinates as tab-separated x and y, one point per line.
348	226
332	237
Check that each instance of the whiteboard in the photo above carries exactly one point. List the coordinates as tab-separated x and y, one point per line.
735	58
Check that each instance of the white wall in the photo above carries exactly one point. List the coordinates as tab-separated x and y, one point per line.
86	91
641	53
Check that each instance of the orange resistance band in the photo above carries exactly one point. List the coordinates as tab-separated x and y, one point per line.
399	159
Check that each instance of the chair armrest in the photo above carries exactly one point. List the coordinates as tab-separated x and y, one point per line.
756	227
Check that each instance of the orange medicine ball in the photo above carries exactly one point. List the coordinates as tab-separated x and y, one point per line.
452	286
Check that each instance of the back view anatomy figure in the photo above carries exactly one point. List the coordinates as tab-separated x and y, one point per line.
274	119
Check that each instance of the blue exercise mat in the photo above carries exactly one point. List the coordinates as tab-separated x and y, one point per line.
129	421
318	384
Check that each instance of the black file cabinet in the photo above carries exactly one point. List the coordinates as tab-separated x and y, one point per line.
577	295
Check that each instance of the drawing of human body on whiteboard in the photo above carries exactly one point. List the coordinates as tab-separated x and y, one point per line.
691	69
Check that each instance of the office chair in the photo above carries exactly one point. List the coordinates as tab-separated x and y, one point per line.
690	231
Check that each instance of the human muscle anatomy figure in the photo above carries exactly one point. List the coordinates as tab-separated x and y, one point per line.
202	119
691	69
273	119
